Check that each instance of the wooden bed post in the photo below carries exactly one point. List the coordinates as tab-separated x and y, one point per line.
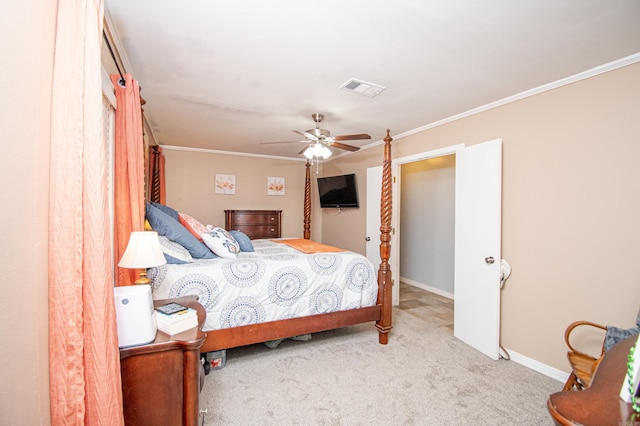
384	272
307	203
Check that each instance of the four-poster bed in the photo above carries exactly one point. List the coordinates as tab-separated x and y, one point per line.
361	308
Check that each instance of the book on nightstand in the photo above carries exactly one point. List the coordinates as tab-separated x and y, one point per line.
175	318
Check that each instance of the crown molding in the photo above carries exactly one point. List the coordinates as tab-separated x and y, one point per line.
237	154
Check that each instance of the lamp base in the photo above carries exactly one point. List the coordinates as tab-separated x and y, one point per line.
142	278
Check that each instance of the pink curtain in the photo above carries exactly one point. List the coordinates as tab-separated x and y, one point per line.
84	362
129	171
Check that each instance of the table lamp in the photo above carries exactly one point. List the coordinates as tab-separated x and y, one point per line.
142	252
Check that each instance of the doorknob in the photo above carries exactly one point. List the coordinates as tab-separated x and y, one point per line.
489	260
367	239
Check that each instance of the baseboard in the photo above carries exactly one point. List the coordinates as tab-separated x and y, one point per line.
541	368
427	288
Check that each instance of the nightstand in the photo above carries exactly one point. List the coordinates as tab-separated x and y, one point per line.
161	381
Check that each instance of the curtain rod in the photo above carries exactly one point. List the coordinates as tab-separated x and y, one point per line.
122	81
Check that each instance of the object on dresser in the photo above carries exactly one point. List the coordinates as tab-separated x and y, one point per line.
175	318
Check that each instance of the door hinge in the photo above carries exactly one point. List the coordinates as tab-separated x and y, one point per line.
394	179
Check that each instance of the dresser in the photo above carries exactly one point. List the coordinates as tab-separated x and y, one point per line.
600	404
255	223
161	381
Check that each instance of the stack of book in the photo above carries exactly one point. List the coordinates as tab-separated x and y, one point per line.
175	318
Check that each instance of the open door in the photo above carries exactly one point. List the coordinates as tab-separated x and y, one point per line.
477	246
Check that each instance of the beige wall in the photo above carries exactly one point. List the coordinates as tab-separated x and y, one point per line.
570	176
570	202
571	206
190	187
27	35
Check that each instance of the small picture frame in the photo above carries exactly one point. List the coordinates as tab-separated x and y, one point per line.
225	184
275	186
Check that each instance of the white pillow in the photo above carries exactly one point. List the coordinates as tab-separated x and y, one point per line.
221	243
174	252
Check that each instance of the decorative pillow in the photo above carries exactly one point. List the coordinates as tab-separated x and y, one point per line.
192	225
169	227
221	243
147	225
174	252
243	240
168	210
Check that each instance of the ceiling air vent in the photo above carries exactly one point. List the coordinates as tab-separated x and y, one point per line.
362	88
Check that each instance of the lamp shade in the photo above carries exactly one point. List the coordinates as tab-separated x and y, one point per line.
143	251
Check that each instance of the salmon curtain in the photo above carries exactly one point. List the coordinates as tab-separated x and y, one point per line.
84	362
129	171
156	165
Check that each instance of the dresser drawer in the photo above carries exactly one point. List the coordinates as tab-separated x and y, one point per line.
255	219
258	231
255	223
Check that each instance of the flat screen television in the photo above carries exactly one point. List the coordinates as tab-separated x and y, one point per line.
338	191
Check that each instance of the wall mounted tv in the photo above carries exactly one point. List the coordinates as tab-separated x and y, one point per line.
338	191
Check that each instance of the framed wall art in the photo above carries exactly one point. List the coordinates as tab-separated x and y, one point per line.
225	184
275	186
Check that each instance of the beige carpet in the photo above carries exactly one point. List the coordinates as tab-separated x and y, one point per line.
424	376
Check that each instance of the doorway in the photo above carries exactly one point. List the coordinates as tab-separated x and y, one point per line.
427	235
477	254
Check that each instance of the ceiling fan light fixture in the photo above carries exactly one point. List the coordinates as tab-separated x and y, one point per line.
317	150
308	152
326	153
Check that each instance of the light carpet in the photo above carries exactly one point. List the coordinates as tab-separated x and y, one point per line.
424	376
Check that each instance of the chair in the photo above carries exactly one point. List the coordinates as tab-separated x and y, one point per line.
583	365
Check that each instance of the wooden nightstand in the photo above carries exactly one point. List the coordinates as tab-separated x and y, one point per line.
161	381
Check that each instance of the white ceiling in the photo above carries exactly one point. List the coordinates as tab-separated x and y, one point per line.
227	75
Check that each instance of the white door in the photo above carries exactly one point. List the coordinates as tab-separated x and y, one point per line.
374	191
477	246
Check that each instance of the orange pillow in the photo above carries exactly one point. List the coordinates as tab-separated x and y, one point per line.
192	225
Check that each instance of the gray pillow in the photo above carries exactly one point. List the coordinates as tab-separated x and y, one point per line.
169	227
243	240
168	210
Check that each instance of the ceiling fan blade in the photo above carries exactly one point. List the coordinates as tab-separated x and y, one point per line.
344	146
352	137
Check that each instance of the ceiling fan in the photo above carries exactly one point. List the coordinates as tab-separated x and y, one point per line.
319	140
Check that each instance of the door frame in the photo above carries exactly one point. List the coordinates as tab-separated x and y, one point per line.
395	210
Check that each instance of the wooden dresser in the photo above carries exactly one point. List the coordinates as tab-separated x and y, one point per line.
161	381
255	223
600	404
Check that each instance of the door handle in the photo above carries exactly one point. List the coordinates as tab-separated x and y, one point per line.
489	260
367	239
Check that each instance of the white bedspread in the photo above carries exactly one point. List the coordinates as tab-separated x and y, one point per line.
274	282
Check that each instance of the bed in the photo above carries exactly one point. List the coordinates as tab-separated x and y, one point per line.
286	287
